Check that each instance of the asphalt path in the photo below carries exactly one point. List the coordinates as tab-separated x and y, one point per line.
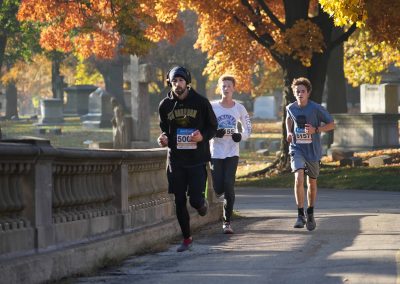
357	240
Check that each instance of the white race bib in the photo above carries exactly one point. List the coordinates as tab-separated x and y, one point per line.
229	131
302	137
183	136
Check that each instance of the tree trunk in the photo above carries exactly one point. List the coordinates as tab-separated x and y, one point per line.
113	75
201	81
316	73
336	82
11	96
3	43
294	11
292	69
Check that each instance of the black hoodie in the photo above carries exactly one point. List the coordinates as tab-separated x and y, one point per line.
183	117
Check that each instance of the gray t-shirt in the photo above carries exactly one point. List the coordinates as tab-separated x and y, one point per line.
308	144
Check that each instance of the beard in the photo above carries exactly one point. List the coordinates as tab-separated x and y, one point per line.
179	91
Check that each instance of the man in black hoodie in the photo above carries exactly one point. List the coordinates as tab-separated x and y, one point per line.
187	122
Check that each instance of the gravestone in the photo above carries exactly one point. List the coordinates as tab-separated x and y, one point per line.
3	104
376	127
379	161
52	112
351	162
363	132
100	110
265	108
78	99
338	155
55	131
263	152
381	98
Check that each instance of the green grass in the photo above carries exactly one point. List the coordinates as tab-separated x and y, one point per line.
381	178
73	134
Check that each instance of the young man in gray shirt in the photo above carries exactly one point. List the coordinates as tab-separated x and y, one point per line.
303	126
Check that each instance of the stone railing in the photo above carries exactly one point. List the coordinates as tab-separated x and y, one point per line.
52	199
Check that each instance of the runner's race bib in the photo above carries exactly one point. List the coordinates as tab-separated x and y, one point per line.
183	136
302	137
229	131
227	122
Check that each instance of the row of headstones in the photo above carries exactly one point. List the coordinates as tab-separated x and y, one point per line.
347	158
376	126
87	101
383	98
93	104
97	110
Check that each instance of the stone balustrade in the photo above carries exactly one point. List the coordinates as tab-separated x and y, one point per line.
54	198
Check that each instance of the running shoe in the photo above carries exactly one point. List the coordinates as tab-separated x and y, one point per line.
185	245
227	228
301	221
311	224
203	209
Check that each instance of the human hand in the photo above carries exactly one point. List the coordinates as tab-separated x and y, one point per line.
162	140
236	137
196	136
309	129
220	132
289	137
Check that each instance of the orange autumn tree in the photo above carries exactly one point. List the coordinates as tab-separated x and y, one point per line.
376	46
245	36
102	27
104	30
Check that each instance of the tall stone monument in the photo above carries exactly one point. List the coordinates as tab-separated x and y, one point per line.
135	125
139	76
376	127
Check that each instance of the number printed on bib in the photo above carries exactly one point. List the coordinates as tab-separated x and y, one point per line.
302	137
183	136
229	131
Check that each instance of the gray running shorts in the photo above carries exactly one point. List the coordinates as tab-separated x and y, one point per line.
297	162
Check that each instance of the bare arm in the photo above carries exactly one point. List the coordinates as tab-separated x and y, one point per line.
289	127
323	128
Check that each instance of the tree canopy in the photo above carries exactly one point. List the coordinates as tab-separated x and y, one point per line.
102	27
249	38
377	45
379	17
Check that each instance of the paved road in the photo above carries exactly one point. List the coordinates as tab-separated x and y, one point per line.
357	240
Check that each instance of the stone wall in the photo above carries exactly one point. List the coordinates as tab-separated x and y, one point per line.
63	210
